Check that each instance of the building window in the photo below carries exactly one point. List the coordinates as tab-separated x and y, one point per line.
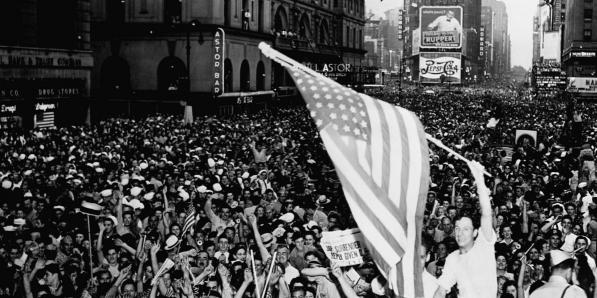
171	74
246	14
563	17
335	3
58	32
228	75
245	76
588	14
354	37
304	28
11	24
347	37
260	76
281	21
587	34
172	11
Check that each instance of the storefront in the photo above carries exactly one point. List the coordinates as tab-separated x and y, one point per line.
43	88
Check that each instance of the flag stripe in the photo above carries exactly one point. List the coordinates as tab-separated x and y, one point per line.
386	138
376	142
396	158
415	178
374	200
369	202
376	221
387	254
420	210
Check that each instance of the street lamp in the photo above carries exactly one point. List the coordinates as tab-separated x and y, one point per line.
188	110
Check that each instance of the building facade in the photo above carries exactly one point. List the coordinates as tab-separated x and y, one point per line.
322	34
579	50
158	56
45	63
470	51
497	42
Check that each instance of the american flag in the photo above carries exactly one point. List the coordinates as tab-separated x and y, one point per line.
380	153
189	221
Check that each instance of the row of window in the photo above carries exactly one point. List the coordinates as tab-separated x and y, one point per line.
171	74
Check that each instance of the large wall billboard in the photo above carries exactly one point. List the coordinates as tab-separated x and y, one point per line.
437	67
441	27
582	84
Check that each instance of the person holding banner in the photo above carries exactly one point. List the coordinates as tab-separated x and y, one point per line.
473	264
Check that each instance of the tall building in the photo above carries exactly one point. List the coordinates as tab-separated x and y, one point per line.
549	31
325	35
45	63
495	22
157	56
374	43
471	25
579	55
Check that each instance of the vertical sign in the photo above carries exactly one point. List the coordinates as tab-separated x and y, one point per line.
219	54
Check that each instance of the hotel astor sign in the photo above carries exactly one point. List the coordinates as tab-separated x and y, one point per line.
218	58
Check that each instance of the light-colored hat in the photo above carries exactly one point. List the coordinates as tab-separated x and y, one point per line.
143	165
6	184
19	222
135	204
171	242
10	228
558	256
113	219
184	195
245	175
322	200
106	192
211	162
288	217
233	204
582	185
267	239
217	187
59	207
202	189
135	191
149	196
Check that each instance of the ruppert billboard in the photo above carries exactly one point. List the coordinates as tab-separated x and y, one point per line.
441	27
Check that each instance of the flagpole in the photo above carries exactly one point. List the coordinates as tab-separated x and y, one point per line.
269	274
441	145
90	244
254	274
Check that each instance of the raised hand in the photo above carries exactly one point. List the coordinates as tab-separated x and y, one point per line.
336	270
248	276
155	248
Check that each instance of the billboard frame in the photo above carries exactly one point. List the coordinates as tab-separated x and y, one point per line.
458	16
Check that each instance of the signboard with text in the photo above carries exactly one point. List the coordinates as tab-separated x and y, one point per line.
218	60
441	27
582	84
435	68
346	248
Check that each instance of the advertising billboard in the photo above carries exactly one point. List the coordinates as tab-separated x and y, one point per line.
441	27
582	84
435	68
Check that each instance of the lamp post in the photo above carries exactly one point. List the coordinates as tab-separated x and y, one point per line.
188	109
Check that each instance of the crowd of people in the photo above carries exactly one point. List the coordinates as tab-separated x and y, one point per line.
264	190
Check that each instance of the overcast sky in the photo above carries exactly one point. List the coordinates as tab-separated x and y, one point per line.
520	17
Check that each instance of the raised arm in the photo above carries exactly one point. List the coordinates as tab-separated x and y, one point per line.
262	249
246	282
484	200
208	211
98	248
344	285
520	283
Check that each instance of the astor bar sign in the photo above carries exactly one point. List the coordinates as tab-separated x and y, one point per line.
219	52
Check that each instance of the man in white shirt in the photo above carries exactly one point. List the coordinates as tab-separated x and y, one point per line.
560	282
445	23
473	264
